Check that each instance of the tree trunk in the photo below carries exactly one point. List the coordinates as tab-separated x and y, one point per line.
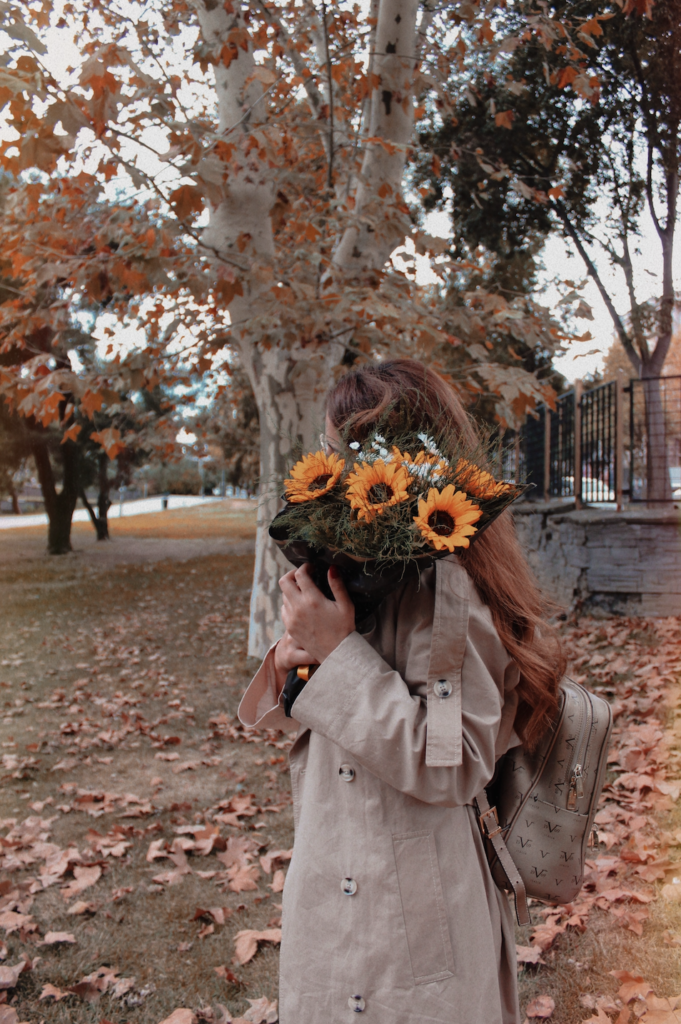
290	384
658	484
382	226
290	388
100	523
58	506
14	499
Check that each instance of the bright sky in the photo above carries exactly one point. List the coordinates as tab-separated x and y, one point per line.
559	258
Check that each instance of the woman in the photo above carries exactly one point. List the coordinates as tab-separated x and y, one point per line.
389	906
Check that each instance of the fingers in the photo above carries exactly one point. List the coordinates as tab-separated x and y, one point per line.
304	578
339	590
287	583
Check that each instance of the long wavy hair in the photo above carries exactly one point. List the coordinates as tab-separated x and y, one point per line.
410	392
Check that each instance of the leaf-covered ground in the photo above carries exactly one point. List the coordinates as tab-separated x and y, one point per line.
145	834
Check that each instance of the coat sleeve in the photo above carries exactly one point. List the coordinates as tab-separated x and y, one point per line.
359	702
260	705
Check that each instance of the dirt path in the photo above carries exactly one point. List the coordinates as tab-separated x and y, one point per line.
150	832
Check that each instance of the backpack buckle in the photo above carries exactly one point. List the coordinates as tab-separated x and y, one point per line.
488	820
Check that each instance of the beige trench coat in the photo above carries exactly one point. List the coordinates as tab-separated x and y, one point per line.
389	908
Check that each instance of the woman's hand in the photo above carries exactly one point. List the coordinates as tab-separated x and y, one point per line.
287	655
314	622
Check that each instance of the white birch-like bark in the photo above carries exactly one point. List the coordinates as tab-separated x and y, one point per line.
289	384
290	387
378	229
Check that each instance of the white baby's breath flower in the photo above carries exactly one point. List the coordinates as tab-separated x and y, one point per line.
428	443
354	445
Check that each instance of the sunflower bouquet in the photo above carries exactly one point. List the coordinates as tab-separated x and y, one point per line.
385	506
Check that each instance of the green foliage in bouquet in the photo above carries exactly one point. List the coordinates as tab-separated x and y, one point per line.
394	497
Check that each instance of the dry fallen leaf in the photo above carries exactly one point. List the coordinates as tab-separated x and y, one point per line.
81	907
672	892
8	1015
93	985
600	1018
156	850
10	975
243	879
52	992
277	884
84	877
53	938
262	1011
528	954
181	1016
662	1011
246	942
13	922
633	986
118	894
541	1006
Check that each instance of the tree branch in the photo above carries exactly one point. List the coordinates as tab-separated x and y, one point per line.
299	65
595	276
330	87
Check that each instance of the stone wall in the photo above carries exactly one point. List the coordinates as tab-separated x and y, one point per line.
613	563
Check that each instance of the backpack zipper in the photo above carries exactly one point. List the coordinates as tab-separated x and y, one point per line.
575	776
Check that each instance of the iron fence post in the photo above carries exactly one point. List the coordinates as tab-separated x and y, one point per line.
619	439
547	452
631	440
577	470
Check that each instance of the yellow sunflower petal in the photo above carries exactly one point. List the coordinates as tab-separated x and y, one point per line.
446	518
375	486
478	482
314	475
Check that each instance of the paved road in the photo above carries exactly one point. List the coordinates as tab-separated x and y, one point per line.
130	508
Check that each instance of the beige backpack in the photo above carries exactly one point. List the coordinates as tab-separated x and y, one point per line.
537	814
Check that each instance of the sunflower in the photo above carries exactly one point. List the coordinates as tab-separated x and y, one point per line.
422	464
446	518
478	482
314	475
374	486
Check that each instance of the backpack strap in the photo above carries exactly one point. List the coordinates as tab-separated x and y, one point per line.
492	831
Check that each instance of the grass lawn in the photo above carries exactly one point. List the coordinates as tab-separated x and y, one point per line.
140	819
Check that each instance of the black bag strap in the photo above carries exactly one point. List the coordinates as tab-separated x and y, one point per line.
492	830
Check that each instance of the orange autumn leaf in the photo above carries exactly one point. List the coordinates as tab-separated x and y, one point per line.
504	119
186	200
91	402
72	433
110	440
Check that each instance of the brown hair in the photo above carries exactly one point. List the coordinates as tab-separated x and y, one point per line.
404	390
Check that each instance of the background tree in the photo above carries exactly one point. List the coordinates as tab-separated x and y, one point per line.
231	425
258	155
524	155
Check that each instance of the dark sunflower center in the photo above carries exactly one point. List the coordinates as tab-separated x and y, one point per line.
320	482
380	493
441	523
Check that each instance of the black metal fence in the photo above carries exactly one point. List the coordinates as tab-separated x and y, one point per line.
618	440
653	431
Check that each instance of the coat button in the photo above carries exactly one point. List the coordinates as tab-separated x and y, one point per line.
356	1003
442	688
349	886
346	772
